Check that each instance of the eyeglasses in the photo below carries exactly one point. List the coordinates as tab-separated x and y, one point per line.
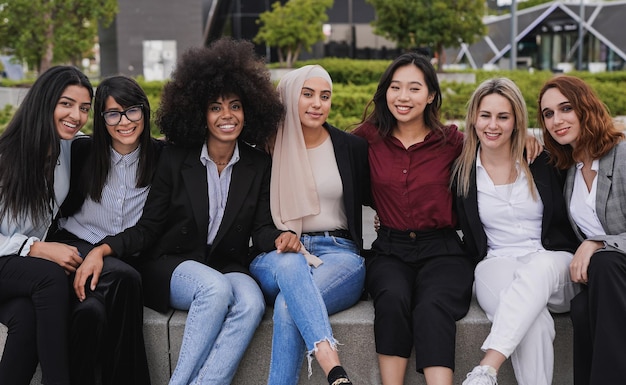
133	114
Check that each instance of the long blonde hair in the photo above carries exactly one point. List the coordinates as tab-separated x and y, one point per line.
462	169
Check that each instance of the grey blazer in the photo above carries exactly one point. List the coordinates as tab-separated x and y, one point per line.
610	198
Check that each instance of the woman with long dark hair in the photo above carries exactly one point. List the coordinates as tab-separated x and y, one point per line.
419	275
209	197
111	176
34	180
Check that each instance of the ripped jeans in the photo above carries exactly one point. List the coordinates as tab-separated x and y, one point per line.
304	296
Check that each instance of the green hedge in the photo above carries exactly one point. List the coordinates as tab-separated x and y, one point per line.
355	82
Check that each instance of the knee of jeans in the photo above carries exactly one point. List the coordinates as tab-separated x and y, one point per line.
289	261
218	289
254	308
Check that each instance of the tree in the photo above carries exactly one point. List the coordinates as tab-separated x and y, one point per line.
435	24
43	32
293	27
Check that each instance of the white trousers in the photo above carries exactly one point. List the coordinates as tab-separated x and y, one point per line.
517	294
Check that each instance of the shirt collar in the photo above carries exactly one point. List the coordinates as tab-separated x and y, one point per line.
129	158
479	163
595	165
204	155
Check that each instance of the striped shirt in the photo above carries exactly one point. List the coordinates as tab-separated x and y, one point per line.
218	186
121	204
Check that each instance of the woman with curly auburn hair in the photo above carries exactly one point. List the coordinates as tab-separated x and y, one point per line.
209	196
582	138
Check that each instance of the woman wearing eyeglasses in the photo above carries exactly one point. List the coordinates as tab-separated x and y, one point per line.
209	198
111	176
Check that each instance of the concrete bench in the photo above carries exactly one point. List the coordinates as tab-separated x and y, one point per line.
354	329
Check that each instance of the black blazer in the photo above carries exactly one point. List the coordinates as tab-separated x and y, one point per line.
351	155
174	224
556	232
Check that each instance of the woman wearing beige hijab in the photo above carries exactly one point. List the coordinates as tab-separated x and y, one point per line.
320	179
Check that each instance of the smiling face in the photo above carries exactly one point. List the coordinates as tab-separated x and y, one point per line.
408	95
495	122
559	117
72	111
314	103
126	134
225	119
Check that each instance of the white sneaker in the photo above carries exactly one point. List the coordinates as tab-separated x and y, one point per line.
481	375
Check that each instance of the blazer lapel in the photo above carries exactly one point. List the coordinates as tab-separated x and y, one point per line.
241	180
605	179
195	179
471	206
343	157
541	176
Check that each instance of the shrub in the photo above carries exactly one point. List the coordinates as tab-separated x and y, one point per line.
355	82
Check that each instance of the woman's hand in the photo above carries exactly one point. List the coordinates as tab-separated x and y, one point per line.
287	242
580	263
63	255
533	148
91	267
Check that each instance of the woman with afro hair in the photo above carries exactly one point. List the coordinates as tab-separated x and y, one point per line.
209	196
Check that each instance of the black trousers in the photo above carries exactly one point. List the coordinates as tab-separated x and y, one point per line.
421	283
598	314
106	329
34	307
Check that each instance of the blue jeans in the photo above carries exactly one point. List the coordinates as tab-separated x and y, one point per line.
224	312
304	296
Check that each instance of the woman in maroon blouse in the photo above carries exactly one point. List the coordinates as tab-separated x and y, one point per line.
419	275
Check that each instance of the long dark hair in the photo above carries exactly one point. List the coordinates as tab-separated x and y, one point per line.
382	118
30	147
126	92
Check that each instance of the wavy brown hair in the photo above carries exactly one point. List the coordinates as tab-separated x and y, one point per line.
598	134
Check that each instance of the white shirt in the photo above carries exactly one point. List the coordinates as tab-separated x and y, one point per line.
510	217
582	205
218	186
23	234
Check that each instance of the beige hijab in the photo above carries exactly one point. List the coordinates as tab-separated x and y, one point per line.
293	194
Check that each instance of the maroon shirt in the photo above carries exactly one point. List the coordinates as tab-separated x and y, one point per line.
410	187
